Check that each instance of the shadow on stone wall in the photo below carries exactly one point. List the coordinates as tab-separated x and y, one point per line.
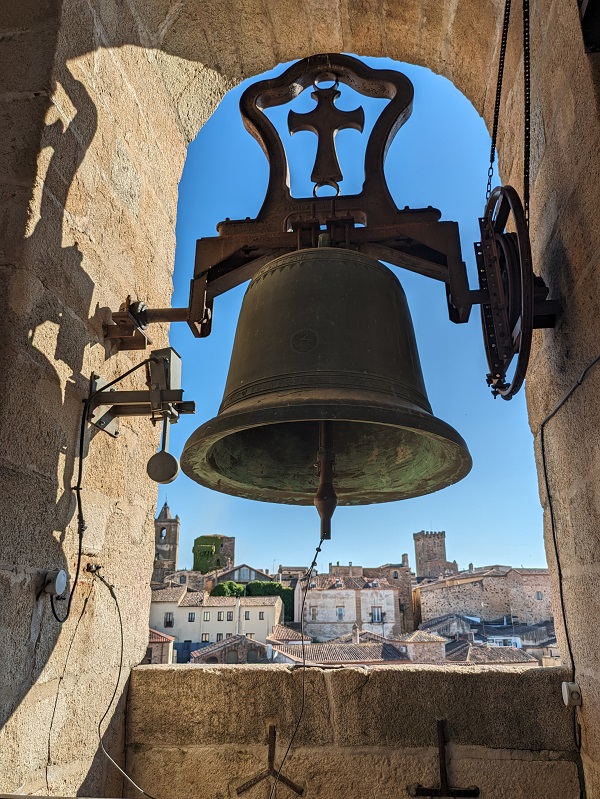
49	301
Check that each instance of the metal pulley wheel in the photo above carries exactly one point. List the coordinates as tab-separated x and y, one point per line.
505	273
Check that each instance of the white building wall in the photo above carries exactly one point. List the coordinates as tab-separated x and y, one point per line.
378	598
184	630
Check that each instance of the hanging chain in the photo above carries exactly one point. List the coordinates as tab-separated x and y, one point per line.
526	99
488	190
527	108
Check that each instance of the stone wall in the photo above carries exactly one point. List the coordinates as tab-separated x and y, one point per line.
98	101
488	597
430	554
530	596
202	731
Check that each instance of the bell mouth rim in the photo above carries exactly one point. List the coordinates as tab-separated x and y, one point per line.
227	424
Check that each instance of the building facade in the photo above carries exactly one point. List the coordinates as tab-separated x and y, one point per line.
166	544
430	555
213	553
398	575
195	618
516	595
334	604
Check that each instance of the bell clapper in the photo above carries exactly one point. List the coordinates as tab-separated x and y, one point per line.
325	499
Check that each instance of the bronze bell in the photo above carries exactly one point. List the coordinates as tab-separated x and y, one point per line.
325	334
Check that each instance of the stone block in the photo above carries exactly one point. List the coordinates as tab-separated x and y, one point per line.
21	121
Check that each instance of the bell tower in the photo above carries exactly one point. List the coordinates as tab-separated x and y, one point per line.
166	543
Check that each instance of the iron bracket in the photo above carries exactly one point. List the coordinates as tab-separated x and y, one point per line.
162	401
444	791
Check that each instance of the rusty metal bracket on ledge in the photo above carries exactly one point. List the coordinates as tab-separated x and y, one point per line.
270	771
444	791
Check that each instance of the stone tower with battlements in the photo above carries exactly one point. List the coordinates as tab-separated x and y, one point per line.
430	555
166	544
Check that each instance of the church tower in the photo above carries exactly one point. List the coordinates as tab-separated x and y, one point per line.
166	544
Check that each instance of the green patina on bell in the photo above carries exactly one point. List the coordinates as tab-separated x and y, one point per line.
325	334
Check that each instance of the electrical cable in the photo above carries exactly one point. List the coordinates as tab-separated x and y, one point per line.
77	488
567	396
550	416
304	667
60	680
111	588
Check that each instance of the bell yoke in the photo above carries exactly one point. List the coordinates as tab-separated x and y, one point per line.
325	391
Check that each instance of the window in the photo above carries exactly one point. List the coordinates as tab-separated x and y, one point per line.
244	574
249	635
229	615
220	615
247	615
205	638
376	615
191	617
182	579
395	575
219	636
261	615
252	656
206	615
228	635
339	612
163	533
169	620
313	614
538	595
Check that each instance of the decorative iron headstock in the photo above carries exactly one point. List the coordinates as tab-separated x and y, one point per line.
280	209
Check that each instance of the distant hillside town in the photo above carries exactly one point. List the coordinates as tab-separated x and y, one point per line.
223	612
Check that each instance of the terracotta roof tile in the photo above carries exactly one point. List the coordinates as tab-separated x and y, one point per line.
467	652
193	599
157	637
343	653
364	636
331	582
421	637
283	634
227	643
169	594
245	601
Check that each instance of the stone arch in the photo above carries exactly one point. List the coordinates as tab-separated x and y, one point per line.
97	130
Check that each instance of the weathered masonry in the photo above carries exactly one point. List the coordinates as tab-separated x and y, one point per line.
98	102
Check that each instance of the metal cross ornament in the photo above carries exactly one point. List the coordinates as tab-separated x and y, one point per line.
325	121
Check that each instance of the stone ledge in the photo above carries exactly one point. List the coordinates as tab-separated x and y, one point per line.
189	705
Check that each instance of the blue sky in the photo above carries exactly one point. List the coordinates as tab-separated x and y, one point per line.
439	158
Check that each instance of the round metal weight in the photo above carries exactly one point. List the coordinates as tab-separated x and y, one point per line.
163	467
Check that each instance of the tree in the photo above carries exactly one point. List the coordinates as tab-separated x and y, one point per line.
228	588
270	588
